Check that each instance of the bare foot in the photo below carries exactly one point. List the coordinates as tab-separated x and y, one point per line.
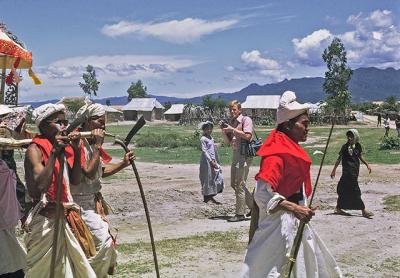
341	212
367	214
215	201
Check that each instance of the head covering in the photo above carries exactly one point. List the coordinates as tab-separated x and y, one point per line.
289	108
46	110
203	125
355	134
4	109
91	110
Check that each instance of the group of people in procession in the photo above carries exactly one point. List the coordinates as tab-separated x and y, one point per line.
86	247
283	184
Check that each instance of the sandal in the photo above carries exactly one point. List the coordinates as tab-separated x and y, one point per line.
341	212
367	214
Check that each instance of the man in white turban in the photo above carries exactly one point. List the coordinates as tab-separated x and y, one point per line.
43	163
282	188
95	165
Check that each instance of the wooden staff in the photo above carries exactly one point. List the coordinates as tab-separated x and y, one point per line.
146	210
297	240
59	186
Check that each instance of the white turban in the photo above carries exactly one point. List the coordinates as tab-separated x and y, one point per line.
46	110
91	110
289	108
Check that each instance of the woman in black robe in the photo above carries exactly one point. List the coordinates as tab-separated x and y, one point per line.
349	193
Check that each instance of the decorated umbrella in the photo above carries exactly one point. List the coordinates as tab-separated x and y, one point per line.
13	56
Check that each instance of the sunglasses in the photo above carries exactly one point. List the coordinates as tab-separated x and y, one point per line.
58	121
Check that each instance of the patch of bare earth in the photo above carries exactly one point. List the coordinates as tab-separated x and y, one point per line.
362	247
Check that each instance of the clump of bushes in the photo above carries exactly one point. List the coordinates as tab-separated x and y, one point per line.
168	140
390	143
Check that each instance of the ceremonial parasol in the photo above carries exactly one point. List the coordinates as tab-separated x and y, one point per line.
13	56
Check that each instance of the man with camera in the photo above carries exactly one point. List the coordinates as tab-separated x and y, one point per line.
238	134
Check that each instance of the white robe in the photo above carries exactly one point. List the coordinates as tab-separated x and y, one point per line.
12	254
268	252
84	195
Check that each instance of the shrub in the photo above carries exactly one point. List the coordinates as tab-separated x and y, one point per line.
390	143
168	140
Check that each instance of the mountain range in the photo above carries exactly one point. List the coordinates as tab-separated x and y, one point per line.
366	84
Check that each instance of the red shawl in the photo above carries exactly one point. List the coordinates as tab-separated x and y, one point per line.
45	146
104	156
284	164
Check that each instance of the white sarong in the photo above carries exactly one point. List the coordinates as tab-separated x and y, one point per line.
268	252
70	261
12	254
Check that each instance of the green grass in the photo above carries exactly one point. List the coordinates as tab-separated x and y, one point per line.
186	153
392	203
136	258
370	139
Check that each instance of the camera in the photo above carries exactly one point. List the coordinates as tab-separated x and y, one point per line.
223	124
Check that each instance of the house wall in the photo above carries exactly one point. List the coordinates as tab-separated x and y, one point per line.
130	115
133	115
158	113
113	117
259	113
173	117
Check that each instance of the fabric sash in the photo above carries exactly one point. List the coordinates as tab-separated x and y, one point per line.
45	146
296	164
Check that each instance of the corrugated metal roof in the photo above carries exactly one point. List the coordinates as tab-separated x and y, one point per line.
142	104
175	109
262	102
109	109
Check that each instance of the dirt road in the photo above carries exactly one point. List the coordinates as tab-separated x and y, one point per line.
362	247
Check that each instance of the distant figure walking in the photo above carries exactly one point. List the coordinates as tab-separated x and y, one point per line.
386	125
211	178
379	120
348	190
397	122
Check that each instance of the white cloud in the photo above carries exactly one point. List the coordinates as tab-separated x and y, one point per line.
309	49
61	77
374	41
115	68
255	64
175	31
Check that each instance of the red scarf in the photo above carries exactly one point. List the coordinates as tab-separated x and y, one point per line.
104	156
284	164
45	146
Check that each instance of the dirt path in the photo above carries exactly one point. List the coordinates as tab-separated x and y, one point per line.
362	247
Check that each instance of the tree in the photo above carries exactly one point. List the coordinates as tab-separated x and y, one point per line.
137	90
390	104
108	102
213	104
91	85
208	102
73	104
167	105
337	78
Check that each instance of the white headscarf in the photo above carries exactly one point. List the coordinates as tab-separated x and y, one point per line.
46	110
289	108
91	110
4	110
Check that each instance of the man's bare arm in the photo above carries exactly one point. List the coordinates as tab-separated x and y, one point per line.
38	177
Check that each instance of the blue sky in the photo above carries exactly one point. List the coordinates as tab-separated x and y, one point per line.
190	48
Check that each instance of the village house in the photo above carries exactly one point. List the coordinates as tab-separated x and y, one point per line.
258	107
174	113
150	108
